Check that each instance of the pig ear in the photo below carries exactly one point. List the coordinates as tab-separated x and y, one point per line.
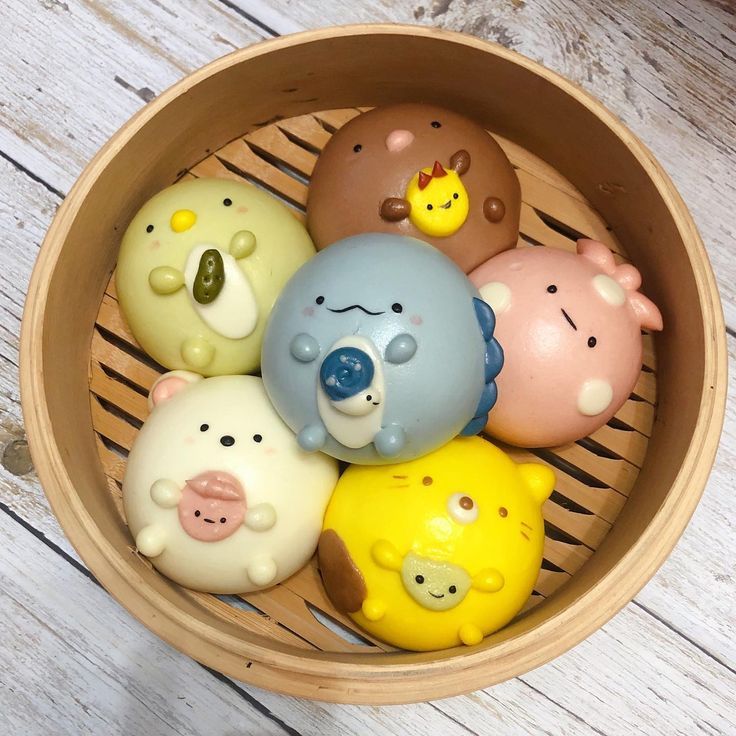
169	385
628	277
597	253
650	318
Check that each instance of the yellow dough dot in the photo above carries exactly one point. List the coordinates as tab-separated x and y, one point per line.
470	634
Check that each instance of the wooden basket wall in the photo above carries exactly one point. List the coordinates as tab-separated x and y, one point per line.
623	496
594	476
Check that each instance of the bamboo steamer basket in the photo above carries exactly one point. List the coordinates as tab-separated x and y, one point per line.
623	496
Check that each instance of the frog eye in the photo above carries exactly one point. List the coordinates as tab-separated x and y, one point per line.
462	508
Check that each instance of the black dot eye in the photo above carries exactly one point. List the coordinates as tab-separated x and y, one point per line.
369	398
592	342
198	513
503	512
227	201
452	589
320	300
227	441
436	124
204	427
257	438
429	207
357	148
552	289
397	308
455	196
149	229
223	519
419	579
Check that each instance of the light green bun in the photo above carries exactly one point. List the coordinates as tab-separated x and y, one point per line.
235	258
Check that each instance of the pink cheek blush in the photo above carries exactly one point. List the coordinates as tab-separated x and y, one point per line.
270	451
242	209
308	311
415	319
155	245
189	440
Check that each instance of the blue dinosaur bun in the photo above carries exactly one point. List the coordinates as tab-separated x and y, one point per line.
380	350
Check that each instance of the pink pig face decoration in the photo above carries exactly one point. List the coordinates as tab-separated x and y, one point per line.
570	327
212	506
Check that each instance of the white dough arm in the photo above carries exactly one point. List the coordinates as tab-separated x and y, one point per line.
260	518
165	493
151	541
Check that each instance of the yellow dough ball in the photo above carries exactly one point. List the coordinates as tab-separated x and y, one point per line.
439	551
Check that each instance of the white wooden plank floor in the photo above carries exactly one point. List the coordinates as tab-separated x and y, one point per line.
73	661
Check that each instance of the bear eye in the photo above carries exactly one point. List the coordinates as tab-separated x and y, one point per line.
357	148
204	427
592	342
397	308
452	589
149	229
222	520
455	196
198	513
429	207
257	438
436	124
551	288
503	512
419	579
462	508
320	300
227	201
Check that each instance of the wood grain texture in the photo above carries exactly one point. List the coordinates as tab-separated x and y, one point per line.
703	613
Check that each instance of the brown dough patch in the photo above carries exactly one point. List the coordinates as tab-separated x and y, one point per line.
343	581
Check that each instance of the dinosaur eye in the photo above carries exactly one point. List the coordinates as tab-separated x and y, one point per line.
503	512
592	342
452	589
436	124
369	398
204	427
462	508
198	513
227	201
455	196
320	300
551	288
429	207
357	148
419	579
149	229
397	308
257	438
222	520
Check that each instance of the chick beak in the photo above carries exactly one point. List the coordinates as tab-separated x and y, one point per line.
182	220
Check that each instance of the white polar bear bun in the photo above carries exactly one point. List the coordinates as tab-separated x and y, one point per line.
217	492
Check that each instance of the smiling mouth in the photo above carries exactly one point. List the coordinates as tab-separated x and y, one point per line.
436	596
210	521
570	322
446	205
355	306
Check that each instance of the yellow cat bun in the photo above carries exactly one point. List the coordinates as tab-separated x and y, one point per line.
439	551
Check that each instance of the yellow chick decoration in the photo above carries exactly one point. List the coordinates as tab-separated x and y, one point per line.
439	551
439	201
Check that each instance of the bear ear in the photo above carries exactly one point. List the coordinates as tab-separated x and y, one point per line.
169	385
539	480
598	253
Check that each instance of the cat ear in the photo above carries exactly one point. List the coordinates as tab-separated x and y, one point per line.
169	385
539	480
597	253
650	318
